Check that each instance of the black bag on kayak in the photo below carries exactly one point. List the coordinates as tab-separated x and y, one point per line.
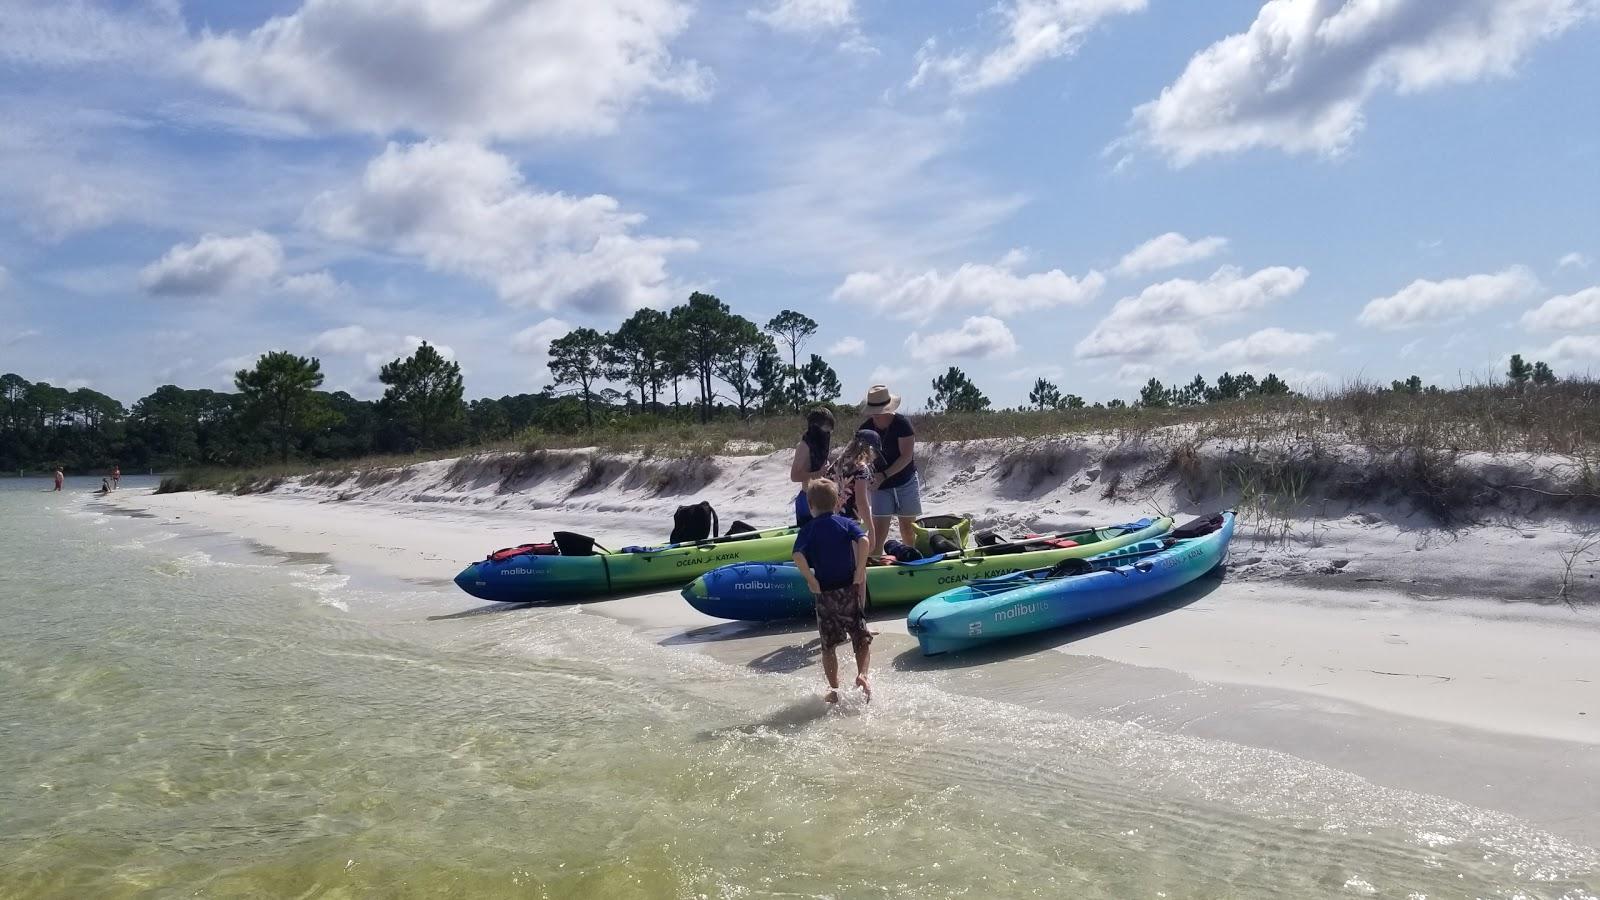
1196	527
695	522
901	551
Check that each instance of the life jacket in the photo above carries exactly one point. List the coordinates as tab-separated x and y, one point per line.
541	549
695	522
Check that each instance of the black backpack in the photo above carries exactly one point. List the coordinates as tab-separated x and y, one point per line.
695	522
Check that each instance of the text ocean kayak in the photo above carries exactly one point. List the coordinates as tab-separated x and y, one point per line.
763	592
539	578
1050	598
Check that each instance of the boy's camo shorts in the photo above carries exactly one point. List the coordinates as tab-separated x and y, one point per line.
841	617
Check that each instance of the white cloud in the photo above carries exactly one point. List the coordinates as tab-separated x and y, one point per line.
1574	260
215	265
1298	78
885	374
462	69
1307	380
1029	373
1269	344
1035	31
348	339
848	346
19	337
1114	340
1424	301
1148	324
1134	373
67	207
71	33
465	209
1574	348
1568	312
807	16
906	295
318	285
535	339
374	348
866	191
979	337
1168	251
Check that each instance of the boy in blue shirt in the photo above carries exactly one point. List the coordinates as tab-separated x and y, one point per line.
831	552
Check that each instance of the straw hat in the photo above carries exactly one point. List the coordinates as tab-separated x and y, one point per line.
879	401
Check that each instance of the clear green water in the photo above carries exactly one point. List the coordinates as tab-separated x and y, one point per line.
184	718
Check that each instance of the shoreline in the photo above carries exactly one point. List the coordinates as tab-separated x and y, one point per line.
1469	701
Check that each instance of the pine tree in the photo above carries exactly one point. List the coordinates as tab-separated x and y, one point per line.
424	393
577	359
1044	394
1518	372
280	390
1153	395
954	392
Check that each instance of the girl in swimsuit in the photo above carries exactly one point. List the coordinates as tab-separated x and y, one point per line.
852	471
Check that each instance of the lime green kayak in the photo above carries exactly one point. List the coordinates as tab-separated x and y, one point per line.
762	592
534	577
538	578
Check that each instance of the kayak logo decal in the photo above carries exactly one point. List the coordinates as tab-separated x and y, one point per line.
758	586
702	560
1026	609
968	576
523	570
1182	558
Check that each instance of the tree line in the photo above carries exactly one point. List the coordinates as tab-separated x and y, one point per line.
699	361
702	344
696	361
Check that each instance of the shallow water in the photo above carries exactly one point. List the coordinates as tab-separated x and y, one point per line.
185	716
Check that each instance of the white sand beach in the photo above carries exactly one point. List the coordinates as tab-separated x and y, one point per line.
1371	641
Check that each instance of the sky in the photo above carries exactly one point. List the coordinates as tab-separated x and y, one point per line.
1094	191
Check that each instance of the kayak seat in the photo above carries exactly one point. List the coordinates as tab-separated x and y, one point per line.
570	543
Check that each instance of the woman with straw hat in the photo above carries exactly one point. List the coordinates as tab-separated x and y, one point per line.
897	490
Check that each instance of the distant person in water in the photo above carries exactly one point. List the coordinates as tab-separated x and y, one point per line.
810	458
898	491
116	477
831	552
59	478
105	486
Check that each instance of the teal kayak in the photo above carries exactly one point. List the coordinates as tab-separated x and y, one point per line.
1074	591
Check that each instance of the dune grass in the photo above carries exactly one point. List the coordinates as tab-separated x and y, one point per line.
1414	439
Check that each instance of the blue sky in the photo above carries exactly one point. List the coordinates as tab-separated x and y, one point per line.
1099	191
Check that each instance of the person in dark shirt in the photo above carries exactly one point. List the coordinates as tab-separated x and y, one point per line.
810	458
831	552
898	492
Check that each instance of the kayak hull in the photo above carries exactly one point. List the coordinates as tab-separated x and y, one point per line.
1027	602
770	591
532	578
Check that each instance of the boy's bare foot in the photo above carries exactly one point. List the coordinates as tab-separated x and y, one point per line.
865	685
831	695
